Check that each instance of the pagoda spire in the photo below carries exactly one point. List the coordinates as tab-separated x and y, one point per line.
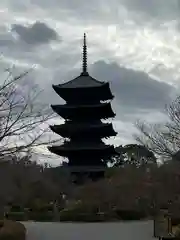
84	59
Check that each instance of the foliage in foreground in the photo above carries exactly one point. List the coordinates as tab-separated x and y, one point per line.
127	193
139	191
10	230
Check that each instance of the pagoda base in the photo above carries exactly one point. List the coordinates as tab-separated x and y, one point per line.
84	174
82	178
86	169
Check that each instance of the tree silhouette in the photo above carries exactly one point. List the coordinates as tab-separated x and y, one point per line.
23	119
135	154
162	139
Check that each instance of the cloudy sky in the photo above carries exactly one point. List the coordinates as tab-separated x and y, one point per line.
134	44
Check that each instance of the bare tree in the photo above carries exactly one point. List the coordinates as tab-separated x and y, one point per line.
162	139
23	118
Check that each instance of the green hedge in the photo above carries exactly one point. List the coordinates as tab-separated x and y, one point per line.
36	216
17	216
16	208
12	231
130	215
72	216
81	212
39	206
77	214
41	216
43	208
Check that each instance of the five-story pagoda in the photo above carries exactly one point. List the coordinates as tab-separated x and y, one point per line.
87	103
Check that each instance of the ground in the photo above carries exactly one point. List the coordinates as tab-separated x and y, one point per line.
89	231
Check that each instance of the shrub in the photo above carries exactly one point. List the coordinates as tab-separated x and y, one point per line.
17	216
12	231
86	212
41	216
1	223
70	216
45	208
73	216
16	208
40	206
130	214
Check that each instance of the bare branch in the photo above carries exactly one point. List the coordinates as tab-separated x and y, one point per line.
162	139
22	117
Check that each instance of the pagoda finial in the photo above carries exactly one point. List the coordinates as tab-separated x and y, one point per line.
84	67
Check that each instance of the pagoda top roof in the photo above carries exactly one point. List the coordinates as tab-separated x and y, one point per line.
82	81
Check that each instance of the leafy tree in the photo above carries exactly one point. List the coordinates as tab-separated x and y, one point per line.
134	154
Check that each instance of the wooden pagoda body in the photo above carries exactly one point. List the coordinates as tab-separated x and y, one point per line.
83	127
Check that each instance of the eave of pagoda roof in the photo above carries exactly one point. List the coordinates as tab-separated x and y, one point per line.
82	81
90	93
93	111
82	129
76	146
71	106
74	126
82	152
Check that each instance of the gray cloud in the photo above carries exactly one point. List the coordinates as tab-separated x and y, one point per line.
103	11
136	94
160	9
109	11
74	11
35	34
133	89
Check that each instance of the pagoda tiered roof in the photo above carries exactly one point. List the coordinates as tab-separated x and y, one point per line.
82	81
86	149
94	111
84	88
74	130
